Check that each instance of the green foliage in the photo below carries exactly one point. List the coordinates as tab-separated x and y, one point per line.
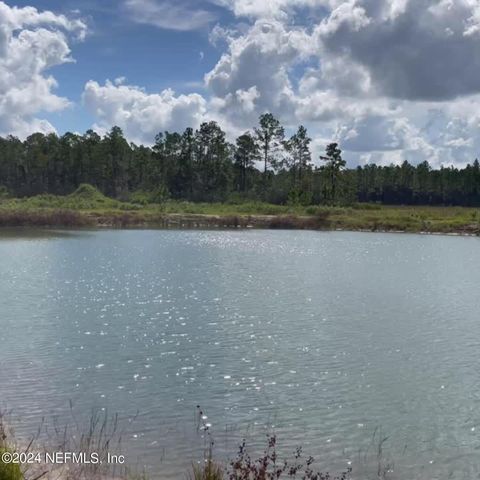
63	211
158	195
247	152
88	197
87	192
334	164
214	163
270	135
299	166
85	197
9	471
203	166
140	197
297	197
366	206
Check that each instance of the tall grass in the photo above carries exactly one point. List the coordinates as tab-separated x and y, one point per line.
209	471
89	207
101	433
8	471
96	437
269	466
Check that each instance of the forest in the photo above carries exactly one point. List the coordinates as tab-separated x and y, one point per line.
202	166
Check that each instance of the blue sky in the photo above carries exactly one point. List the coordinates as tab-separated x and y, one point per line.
390	80
116	47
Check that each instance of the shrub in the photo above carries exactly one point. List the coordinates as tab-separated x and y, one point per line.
270	467
88	192
209	471
322	214
312	210
237	198
146	197
139	198
9	471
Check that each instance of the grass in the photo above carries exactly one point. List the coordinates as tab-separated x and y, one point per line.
88	207
269	466
8	471
102	434
209	471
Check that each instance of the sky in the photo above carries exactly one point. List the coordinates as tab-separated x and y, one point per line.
389	80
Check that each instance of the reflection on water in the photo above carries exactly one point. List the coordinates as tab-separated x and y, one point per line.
323	337
27	233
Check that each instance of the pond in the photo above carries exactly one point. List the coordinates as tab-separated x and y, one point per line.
332	340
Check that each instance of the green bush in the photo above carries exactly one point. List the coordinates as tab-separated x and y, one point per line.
88	192
139	198
146	197
9	471
87	196
237	198
312	210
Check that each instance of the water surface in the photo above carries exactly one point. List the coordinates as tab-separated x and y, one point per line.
324	338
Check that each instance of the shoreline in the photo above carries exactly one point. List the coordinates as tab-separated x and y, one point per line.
68	218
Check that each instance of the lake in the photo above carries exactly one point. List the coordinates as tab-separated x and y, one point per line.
333	340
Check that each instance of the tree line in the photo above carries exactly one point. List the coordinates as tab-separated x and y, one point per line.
201	165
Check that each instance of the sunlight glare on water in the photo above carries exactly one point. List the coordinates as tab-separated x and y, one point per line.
327	338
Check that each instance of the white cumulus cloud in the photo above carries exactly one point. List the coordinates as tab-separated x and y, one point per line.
31	42
392	80
253	76
142	115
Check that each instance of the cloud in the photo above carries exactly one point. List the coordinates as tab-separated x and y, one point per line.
15	18
412	49
380	134
31	42
379	63
142	115
390	80
253	76
268	9
182	16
